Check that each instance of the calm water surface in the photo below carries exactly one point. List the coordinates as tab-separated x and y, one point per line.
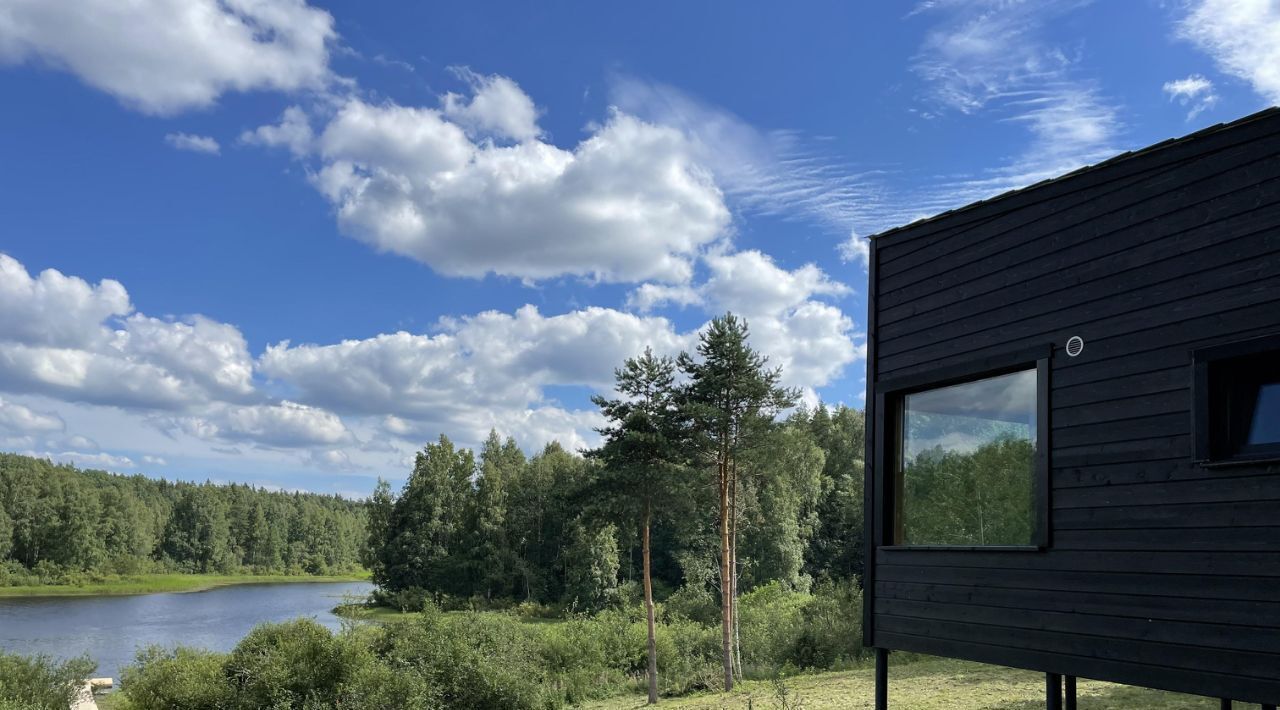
110	629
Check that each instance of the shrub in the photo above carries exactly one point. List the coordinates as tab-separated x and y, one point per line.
285	665
474	661
176	678
40	683
831	635
771	620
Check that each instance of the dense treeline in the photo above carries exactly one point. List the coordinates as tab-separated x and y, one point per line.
699	494
498	526
59	523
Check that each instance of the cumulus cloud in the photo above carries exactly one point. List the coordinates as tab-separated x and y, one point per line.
490	362
15	418
1242	37
469	188
292	132
165	56
751	283
193	143
64	337
856	248
647	297
497	107
286	425
1194	92
100	460
491	370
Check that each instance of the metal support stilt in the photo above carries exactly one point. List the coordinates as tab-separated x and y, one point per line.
1053	691
1268	706
882	679
1069	690
1226	704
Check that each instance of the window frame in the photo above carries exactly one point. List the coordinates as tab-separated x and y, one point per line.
1207	451
890	397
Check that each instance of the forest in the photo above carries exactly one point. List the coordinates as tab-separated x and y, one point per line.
62	525
700	493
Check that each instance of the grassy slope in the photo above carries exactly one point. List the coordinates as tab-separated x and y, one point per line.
932	684
152	583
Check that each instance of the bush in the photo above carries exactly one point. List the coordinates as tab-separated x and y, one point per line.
286	665
176	678
474	661
40	683
831	635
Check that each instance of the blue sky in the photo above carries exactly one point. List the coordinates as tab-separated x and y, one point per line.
287	242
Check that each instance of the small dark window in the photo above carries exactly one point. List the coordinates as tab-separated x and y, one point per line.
1237	392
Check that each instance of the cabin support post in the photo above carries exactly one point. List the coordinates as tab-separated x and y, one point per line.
1053	691
882	679
1268	706
1226	704
1069	690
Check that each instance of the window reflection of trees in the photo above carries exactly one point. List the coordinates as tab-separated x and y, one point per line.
968	463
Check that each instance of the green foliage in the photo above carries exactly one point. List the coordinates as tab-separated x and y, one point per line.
472	661
483	660
186	678
983	497
62	525
286	665
591	568
783	485
6	532
40	683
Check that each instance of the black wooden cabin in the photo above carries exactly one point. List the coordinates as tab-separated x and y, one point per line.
1073	425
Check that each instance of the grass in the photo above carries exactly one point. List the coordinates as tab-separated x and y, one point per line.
153	583
932	684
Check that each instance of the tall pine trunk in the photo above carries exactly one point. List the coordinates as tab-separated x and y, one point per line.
733	567
726	580
648	610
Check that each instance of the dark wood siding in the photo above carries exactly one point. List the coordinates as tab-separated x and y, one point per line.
1159	571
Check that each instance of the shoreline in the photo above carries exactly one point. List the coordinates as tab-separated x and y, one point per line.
128	585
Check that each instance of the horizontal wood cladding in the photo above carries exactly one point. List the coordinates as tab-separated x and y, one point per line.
1159	571
1200	682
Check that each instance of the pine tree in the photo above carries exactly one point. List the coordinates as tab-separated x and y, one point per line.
731	398
642	457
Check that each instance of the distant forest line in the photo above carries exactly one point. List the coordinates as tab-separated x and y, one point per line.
63	525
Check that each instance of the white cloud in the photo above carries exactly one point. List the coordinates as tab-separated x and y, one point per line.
23	420
779	173
497	107
1195	91
286	425
154	460
994	57
812	341
60	335
629	203
164	56
750	283
53	309
646	297
1243	38
855	248
193	143
292	132
490	362
105	461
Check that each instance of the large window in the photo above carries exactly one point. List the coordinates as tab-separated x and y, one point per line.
1237	392
967	465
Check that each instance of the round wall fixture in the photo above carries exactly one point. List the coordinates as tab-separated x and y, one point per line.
1075	345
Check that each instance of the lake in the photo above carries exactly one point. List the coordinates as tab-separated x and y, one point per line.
111	629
